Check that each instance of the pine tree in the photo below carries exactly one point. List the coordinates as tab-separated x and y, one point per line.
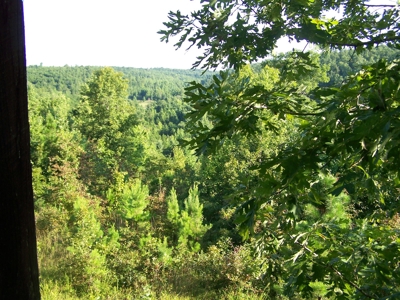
187	221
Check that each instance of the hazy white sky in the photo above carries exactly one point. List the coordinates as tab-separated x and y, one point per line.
106	33
102	33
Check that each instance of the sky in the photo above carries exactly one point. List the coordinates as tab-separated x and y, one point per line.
103	33
106	33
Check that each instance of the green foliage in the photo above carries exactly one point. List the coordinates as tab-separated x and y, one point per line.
114	141
144	84
222	271
101	232
85	264
131	202
348	62
317	202
301	69
188	222
191	228
233	33
103	108
52	141
308	174
173	208
67	80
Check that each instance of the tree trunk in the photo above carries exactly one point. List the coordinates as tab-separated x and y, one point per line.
19	277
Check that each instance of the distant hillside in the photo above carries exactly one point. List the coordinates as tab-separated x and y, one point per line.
164	84
144	84
345	62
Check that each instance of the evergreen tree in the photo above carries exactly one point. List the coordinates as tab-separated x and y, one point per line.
187	220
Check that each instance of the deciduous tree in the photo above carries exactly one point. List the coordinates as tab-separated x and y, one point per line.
350	132
114	140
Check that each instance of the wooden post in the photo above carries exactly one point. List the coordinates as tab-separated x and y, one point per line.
19	278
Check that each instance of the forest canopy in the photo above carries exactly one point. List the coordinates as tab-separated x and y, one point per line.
275	177
128	189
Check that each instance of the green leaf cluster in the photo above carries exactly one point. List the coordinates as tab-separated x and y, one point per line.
318	201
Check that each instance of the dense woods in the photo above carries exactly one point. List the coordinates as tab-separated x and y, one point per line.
127	208
260	176
144	84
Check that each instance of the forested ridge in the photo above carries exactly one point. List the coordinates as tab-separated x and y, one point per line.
143	84
126	208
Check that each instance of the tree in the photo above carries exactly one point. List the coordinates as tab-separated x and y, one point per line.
233	33
349	132
103	105
188	222
19	277
114	140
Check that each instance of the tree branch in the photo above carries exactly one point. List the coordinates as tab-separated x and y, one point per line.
349	281
368	43
380	5
333	269
301	114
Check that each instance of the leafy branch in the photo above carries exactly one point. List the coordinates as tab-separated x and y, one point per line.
366	43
